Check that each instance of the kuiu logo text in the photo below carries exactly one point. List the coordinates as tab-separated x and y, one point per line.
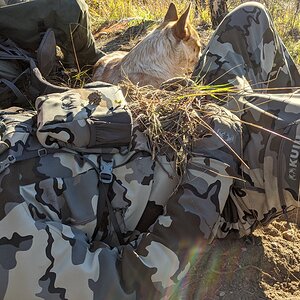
294	159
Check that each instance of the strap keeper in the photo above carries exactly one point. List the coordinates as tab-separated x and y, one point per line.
106	167
42	152
5	163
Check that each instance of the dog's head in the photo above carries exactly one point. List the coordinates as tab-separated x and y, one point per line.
186	36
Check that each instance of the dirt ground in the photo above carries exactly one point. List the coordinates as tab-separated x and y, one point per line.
262	266
265	265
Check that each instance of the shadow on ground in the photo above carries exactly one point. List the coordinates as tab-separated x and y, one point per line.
121	37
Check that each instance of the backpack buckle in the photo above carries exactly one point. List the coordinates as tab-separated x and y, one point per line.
106	168
42	152
5	163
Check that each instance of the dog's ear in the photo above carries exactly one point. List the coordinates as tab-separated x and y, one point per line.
180	28
171	14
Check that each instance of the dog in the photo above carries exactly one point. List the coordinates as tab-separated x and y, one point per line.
171	50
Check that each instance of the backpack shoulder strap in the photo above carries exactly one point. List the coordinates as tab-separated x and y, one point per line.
18	70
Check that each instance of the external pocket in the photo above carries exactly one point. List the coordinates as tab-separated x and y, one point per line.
109	134
84	119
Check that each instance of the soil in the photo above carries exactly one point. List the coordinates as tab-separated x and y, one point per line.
121	35
265	265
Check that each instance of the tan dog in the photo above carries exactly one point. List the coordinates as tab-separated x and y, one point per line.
171	50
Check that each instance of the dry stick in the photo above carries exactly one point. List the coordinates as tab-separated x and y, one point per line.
227	145
245	267
272	132
74	50
295	277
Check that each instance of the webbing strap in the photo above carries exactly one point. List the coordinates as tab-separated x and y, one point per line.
6	56
14	53
36	153
10	159
12	49
103	190
14	89
103	199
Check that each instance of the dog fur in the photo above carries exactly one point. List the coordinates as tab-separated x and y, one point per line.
171	50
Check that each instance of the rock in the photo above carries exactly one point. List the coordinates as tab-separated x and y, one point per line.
287	235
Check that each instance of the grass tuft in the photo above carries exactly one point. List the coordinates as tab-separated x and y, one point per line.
171	117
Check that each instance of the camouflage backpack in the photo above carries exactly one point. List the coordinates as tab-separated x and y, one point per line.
78	123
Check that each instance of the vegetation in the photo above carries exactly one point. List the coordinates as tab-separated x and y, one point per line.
286	15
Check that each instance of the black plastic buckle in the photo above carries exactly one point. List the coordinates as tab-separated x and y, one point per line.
106	169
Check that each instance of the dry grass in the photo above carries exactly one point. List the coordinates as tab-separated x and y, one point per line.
118	9
285	14
171	116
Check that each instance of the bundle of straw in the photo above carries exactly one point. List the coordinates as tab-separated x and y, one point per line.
171	117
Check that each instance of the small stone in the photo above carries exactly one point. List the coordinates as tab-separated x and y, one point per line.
222	294
288	236
274	245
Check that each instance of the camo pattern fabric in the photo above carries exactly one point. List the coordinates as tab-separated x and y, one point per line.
246	52
49	202
11	2
69	20
95	118
48	213
271	172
